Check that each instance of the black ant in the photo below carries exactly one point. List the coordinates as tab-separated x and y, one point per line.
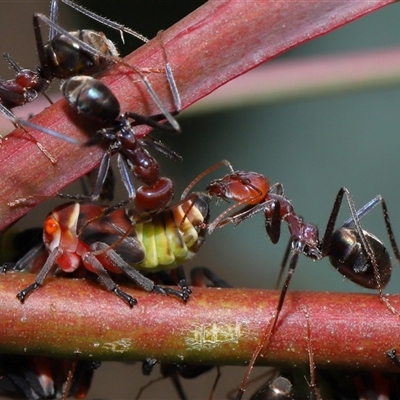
354	252
68	54
95	100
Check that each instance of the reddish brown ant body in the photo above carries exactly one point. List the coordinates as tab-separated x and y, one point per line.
354	252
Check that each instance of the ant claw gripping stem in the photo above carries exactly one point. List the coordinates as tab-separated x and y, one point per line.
125	296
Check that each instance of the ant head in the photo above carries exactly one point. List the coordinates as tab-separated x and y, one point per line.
245	187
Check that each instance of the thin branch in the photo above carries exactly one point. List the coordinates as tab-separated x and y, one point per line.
216	326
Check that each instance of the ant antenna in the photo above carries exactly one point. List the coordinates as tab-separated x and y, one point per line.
105	21
203	174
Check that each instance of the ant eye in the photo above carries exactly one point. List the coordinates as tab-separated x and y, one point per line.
50	226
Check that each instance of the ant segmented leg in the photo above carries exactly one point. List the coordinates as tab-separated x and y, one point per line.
314	391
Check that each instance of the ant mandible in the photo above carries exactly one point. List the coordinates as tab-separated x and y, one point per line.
354	252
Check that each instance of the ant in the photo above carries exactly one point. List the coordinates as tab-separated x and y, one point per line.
354	252
199	277
110	239
95	100
69	54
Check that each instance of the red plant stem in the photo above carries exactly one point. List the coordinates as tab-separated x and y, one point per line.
216	326
214	44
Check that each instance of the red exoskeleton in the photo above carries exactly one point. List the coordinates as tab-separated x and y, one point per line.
354	252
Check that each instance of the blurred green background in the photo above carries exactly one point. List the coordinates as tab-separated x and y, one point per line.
313	146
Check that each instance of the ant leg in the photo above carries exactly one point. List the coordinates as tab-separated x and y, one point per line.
283	264
366	209
50	262
146	283
90	260
314	391
125	176
54	18
71	373
170	78
108	188
24	261
273	224
18	121
162	148
152	121
220	221
267	334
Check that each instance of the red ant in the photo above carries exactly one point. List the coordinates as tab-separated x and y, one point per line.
106	239
68	54
354	252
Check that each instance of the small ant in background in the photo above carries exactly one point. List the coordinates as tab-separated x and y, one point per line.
354	252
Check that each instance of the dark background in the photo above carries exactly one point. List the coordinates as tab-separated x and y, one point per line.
313	147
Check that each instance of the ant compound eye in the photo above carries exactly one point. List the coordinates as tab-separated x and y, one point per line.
51	226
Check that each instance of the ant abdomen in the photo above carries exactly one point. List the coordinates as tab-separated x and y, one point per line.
65	59
347	256
91	97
